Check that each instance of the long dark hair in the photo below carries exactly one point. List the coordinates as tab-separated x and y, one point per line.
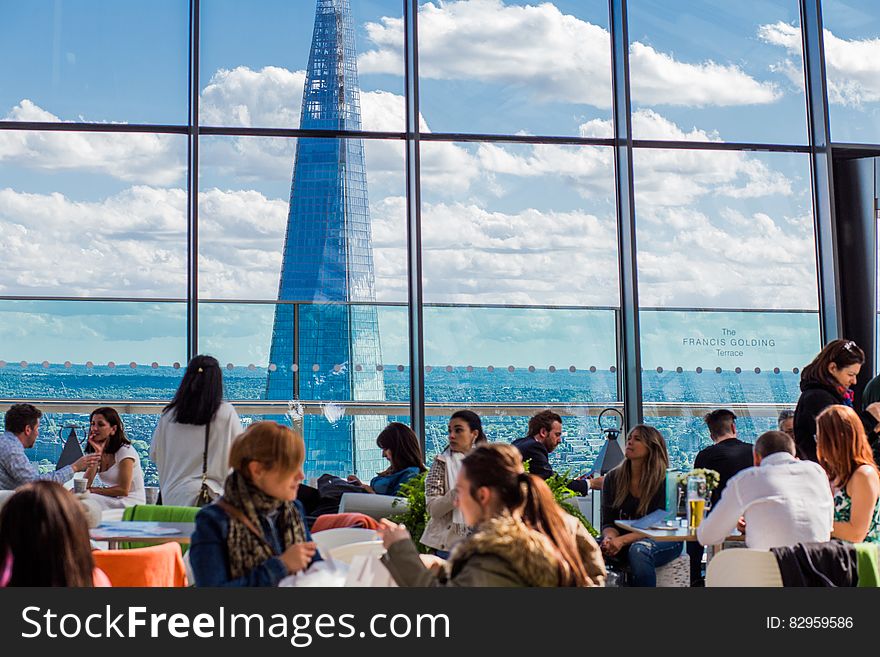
474	424
653	473
119	438
404	446
200	392
499	466
44	531
842	353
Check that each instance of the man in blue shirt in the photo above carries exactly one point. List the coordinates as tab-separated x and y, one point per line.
22	425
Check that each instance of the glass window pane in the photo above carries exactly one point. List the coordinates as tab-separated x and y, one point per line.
511	67
93	214
727	285
94	60
258	78
852	67
717	71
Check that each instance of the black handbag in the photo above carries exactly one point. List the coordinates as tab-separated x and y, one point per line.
206	494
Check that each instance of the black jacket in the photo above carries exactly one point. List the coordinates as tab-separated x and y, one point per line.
832	563
539	462
815	398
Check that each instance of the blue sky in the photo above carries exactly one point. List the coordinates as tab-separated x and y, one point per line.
517	224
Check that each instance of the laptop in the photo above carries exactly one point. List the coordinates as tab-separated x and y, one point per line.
71	452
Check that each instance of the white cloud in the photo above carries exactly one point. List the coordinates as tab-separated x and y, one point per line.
154	159
487	40
852	65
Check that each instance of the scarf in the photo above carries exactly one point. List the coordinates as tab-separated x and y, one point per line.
453	467
847	395
244	549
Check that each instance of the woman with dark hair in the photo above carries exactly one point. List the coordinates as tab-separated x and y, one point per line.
633	489
825	382
119	471
521	535
44	539
400	445
192	440
446	523
255	535
844	452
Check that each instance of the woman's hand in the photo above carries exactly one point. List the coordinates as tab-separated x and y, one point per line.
354	480
298	556
392	533
612	545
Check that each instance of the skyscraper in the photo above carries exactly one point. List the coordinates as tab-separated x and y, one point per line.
325	339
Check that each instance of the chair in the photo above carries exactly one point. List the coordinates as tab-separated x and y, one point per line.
157	565
375	506
345	553
332	538
743	567
160	514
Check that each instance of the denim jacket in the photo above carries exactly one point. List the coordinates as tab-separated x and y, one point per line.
209	559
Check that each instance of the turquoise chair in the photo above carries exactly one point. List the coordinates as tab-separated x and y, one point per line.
153	512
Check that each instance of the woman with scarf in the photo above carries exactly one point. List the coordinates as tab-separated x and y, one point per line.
825	382
446	524
254	535
521	536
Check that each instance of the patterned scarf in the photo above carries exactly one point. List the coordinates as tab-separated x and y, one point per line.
246	551
847	395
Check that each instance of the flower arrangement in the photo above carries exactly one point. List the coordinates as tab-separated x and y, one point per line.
712	477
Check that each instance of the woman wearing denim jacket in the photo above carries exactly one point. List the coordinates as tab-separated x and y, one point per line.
254	535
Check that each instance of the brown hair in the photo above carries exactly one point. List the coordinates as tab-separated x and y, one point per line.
842	353
653	474
45	532
21	416
774	442
404	446
269	443
499	466
841	444
720	422
543	420
119	438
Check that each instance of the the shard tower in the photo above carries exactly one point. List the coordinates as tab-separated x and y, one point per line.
325	340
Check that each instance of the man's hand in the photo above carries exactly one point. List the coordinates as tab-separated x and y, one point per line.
85	462
741	525
596	482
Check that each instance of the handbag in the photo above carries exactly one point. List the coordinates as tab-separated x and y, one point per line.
206	494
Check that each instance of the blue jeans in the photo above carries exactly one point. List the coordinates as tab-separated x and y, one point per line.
646	555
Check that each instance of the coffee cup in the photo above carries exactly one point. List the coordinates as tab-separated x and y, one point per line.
152	494
80	485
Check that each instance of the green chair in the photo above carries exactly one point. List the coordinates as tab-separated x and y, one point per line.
157	513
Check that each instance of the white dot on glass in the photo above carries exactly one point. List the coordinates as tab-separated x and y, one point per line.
90	364
572	368
400	368
511	368
531	368
229	366
449	368
337	368
273	367
429	369
23	363
111	364
2	363
133	365
176	365
293	368
45	364
380	368
154	365
593	369
469	368
490	369
251	367
358	368
68	364
552	368
315	367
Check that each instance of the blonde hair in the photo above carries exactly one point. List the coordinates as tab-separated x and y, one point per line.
269	443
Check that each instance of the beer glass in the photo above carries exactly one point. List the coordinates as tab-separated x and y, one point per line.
696	501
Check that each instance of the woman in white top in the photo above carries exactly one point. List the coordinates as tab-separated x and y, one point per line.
119	472
178	445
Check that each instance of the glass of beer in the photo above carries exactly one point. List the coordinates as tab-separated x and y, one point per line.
696	501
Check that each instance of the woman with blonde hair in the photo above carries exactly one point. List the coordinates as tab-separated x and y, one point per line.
255	535
632	490
521	536
844	452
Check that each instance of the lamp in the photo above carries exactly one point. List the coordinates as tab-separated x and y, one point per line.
610	454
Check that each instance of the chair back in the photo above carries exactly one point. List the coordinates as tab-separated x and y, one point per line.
375	506
331	538
743	567
157	565
346	553
158	513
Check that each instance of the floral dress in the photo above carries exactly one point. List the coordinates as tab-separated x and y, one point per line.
843	510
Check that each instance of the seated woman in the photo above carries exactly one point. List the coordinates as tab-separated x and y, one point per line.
44	539
632	490
254	535
120	470
400	445
446	524
521	538
843	450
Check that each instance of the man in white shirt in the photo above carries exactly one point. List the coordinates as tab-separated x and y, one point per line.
784	501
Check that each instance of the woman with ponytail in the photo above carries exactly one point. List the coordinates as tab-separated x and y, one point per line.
521	536
632	490
446	524
194	435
